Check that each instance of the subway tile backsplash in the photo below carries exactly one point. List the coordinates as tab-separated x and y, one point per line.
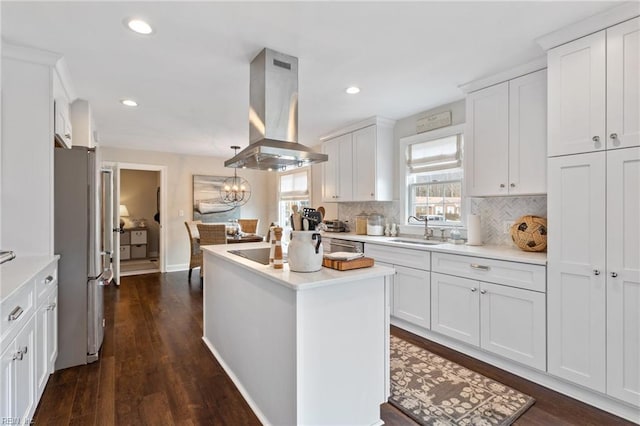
494	213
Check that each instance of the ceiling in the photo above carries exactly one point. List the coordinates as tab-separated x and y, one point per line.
191	76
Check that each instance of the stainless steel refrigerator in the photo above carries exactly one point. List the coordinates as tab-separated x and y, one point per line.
83	238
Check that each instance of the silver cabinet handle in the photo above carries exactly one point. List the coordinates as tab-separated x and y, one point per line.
51	307
614	275
67	136
18	356
24	350
372	194
596	272
513	185
15	314
473	289
48	280
480	267
502	185
613	136
596	139
483	291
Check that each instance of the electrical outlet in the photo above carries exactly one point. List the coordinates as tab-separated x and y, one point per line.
181	213
506	226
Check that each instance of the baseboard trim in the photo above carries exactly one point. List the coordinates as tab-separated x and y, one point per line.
178	267
596	399
236	381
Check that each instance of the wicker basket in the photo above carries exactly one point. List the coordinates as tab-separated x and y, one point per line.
529	233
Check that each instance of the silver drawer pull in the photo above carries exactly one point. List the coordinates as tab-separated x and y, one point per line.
481	267
15	314
483	291
18	356
51	307
48	280
24	350
473	289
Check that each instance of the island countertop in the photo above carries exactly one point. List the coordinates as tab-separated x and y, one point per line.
295	280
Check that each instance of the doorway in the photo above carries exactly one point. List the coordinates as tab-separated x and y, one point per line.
140	219
139	208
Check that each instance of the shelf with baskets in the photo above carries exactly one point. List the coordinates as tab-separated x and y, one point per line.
133	244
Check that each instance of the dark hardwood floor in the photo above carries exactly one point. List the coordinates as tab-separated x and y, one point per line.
155	370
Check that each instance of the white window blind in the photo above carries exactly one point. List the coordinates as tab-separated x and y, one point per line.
294	186
434	155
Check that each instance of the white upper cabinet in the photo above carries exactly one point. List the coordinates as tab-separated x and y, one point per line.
487	141
623	85
337	177
594	91
528	134
505	137
360	165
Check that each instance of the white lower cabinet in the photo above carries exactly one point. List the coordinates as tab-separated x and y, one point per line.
17	376
455	309
29	346
411	288
411	284
477	307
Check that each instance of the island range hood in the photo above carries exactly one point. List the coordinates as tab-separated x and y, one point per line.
273	116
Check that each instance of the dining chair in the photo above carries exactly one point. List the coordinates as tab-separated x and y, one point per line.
211	234
195	259
249	226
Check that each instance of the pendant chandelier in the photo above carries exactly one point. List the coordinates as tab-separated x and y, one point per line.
235	191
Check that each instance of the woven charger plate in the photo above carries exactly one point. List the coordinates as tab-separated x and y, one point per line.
529	233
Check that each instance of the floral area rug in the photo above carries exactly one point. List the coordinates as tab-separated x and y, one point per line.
434	391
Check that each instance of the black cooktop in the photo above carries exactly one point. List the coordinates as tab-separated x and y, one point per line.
260	255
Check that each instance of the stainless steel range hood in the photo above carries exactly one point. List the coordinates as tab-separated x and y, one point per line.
273	116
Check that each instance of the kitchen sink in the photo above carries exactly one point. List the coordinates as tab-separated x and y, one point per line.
416	241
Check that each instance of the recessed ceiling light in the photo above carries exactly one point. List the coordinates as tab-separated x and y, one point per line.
129	102
352	90
139	26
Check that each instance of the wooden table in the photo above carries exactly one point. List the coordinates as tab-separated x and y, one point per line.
245	239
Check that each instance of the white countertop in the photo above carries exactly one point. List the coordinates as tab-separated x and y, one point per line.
294	280
510	253
20	270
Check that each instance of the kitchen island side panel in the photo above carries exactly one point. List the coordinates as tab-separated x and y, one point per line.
249	324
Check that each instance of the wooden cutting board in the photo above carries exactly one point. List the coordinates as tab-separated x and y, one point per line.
345	265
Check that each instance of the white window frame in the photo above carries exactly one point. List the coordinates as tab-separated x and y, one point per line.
282	220
403	171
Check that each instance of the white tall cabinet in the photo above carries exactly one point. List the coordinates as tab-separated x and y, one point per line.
505	137
594	206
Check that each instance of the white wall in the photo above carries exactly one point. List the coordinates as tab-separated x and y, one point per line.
180	169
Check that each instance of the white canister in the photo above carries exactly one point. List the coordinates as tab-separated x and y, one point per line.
305	251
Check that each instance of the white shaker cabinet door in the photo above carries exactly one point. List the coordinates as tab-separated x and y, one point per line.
487	141
623	274
364	164
455	307
528	134
513	324
330	171
576	269
411	296
577	87
623	85
345	168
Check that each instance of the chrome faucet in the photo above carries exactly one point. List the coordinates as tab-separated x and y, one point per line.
428	233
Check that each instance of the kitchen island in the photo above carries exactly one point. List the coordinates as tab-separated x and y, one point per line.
302	348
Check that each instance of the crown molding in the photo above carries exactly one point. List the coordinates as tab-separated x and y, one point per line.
380	121
29	54
481	83
62	69
590	25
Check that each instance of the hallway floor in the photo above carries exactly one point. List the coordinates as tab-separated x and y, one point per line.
155	370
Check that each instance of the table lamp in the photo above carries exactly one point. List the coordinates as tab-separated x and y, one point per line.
124	212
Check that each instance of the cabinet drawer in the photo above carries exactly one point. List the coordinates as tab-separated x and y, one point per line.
125	252
45	280
514	274
418	259
139	251
15	311
138	237
125	238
